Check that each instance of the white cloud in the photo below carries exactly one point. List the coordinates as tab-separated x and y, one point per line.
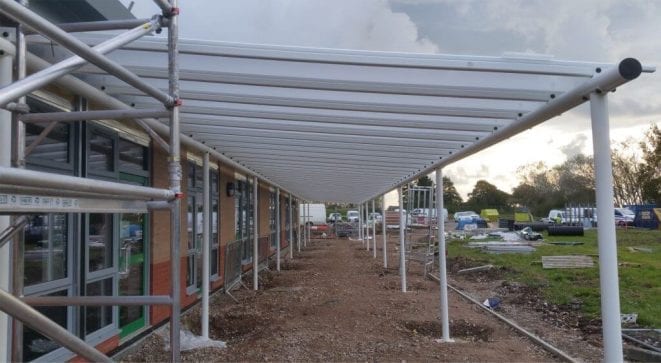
586	30
347	24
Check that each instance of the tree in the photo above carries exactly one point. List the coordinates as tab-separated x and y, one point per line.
539	190
487	195
651	168
424	181
576	180
451	198
628	176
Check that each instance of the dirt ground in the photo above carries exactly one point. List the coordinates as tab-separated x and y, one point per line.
563	327
335	302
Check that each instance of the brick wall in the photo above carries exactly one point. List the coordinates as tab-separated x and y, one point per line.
160	239
263	210
104	347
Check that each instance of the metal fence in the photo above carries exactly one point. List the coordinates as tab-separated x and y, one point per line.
233	263
264	250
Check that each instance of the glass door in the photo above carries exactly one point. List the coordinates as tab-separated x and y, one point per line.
133	242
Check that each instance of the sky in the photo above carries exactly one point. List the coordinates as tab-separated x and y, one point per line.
586	30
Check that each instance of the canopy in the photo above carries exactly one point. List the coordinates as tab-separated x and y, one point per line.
345	126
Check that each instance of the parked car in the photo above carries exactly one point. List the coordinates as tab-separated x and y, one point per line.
624	216
373	217
334	217
466	215
353	216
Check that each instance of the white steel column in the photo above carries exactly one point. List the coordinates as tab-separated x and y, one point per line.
443	278
255	238
367	225
383	226
277	229
360	223
374	228
291	229
402	251
206	255
298	226
608	269
5	160
307	224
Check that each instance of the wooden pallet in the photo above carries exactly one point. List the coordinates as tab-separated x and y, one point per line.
580	261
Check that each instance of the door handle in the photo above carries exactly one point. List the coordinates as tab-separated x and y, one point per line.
126	269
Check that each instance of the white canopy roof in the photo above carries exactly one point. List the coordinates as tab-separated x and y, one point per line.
338	125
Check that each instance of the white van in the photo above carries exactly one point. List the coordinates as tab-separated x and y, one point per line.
353	216
421	216
317	214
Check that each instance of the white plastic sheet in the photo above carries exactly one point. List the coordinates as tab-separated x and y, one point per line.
190	341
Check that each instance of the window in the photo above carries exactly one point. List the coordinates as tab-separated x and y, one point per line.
98	317
132	273
46	252
56	149
94	254
101	273
244	205
36	345
132	158
195	209
287	220
101	152
272	218
214	180
100	242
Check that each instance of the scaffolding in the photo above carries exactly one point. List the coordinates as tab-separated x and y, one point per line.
384	108
419	237
44	192
25	191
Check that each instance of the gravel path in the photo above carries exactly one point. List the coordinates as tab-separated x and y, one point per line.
334	302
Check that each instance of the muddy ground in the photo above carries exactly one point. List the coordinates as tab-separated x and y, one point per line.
335	302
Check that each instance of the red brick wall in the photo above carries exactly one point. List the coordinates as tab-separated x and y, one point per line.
160	239
283	219
263	210
104	347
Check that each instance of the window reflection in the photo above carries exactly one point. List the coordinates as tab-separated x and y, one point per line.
132	157
54	147
45	256
132	260
99	242
97	317
101	156
34	344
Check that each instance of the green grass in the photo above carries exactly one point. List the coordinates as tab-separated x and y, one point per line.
640	287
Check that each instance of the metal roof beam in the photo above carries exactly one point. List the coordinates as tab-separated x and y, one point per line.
194	107
204	131
511	64
339	157
228	147
270	166
336	129
371	161
219	140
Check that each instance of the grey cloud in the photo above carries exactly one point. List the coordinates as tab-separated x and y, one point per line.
367	24
575	146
